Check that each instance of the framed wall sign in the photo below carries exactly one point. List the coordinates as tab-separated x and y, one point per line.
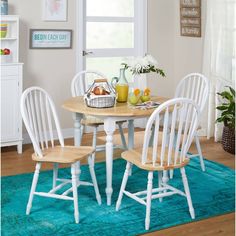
54	10
190	18
190	3
50	39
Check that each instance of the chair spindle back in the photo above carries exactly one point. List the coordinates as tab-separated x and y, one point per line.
180	121
40	118
194	86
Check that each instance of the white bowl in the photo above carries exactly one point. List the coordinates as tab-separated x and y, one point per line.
5	59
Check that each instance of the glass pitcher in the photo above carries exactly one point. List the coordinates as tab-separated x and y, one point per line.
121	86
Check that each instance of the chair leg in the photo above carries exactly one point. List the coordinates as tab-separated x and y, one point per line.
124	144
75	194
94	143
198	146
77	172
159	182
33	187
130	170
172	170
123	185
149	200
187	192
55	175
81	131
94	180
165	178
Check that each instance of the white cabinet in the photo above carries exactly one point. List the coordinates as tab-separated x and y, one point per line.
11	86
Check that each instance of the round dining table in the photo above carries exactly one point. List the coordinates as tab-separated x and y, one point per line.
120	112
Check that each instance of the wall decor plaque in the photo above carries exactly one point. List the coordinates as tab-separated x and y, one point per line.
50	39
190	18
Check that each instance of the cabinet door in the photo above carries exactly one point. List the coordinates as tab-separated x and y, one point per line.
10	108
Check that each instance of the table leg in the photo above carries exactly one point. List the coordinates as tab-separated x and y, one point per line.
109	127
77	128
130	134
77	141
130	139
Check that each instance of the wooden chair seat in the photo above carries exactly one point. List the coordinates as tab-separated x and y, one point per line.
68	154
134	157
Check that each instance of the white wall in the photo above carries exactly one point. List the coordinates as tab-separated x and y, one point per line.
51	69
178	55
188	51
161	44
54	69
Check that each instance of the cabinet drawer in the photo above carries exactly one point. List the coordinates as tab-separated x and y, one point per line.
9	70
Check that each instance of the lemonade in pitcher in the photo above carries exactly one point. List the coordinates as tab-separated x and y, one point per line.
122	92
121	86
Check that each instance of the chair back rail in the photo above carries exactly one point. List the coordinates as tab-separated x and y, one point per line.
83	80
194	86
180	120
40	118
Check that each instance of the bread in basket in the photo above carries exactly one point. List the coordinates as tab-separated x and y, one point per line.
100	95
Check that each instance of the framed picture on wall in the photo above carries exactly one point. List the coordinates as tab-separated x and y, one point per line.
54	10
50	39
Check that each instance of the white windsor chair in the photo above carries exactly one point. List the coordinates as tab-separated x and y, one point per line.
79	85
164	155
195	86
41	120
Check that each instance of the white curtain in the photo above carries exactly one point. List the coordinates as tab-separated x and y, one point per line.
219	55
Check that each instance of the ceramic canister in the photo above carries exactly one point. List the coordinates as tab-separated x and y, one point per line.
4	7
3	30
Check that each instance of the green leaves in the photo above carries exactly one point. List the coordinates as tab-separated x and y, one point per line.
227	108
232	91
148	69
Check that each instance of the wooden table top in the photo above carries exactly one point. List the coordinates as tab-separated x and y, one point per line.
77	104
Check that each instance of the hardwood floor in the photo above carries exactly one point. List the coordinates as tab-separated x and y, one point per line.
12	164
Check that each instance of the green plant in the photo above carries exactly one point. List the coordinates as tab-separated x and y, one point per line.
227	108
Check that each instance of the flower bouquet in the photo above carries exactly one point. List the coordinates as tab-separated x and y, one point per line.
143	65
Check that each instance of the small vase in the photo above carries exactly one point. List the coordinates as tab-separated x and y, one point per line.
121	86
4	7
140	82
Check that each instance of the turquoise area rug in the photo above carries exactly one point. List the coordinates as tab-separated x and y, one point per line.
212	194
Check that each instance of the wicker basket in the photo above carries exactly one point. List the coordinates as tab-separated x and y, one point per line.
228	139
100	101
